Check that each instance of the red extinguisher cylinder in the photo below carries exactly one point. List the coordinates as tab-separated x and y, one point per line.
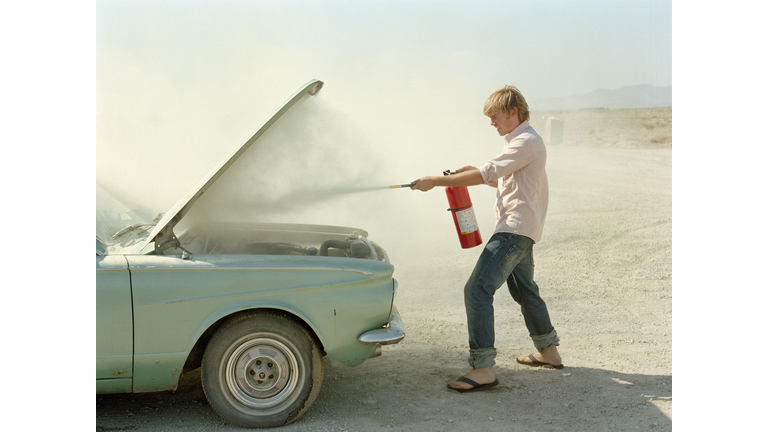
460	206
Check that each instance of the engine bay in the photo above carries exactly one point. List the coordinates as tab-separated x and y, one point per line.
280	239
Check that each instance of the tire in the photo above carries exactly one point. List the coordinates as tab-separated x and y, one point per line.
261	370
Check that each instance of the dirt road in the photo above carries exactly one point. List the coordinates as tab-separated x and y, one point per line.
604	268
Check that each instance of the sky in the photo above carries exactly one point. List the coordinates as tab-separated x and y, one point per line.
548	48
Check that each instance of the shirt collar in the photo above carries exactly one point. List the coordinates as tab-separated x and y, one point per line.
517	131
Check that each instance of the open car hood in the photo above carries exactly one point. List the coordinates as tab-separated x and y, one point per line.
162	233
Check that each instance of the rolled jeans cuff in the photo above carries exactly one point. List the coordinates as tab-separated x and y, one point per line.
546	340
482	357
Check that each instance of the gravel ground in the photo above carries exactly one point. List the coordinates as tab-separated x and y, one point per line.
604	267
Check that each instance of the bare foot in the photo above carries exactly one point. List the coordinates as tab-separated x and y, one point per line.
547	355
481	376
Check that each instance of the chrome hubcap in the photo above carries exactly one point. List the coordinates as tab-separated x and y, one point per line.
262	373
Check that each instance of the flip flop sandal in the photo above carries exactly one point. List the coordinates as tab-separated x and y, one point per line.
536	363
474	384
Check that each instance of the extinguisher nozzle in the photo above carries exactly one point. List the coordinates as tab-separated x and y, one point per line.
402	186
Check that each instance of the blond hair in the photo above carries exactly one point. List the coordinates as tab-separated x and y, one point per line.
505	100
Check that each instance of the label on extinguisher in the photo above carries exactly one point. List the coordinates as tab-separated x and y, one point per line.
467	221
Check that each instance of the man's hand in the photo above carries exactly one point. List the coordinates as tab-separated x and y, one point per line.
425	183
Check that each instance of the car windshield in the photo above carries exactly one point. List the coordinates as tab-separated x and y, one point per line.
116	212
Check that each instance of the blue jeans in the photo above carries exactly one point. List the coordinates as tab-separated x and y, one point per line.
506	257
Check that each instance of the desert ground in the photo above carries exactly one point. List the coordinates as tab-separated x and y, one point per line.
604	266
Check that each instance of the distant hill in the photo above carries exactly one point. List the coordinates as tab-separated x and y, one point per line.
638	96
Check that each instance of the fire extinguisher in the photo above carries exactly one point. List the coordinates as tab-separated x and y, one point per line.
460	206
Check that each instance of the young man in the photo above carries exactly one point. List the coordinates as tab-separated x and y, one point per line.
519	175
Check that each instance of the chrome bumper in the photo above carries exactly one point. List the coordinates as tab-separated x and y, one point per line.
393	333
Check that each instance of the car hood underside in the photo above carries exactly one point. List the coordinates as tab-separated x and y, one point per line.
162	233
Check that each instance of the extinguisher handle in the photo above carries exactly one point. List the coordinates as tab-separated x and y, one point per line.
448	172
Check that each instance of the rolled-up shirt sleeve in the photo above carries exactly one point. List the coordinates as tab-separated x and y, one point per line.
514	157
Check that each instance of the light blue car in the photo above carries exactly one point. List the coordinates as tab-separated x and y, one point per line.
256	306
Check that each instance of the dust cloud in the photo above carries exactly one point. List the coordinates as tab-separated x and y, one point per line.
316	166
303	166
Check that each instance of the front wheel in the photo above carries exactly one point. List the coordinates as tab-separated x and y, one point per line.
261	370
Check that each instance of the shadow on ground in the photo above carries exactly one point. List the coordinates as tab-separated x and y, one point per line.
390	394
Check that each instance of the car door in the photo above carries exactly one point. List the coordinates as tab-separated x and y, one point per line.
114	325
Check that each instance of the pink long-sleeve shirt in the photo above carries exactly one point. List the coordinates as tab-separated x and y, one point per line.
519	173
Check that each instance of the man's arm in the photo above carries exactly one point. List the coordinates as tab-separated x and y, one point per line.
465	176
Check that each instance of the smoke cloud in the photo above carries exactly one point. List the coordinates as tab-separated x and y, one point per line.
308	160
316	166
